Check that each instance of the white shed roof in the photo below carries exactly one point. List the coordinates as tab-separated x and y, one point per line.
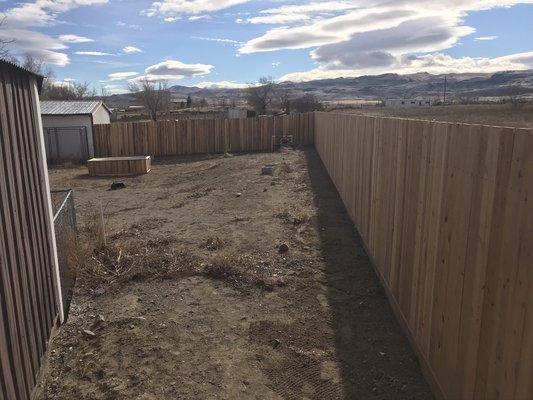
69	107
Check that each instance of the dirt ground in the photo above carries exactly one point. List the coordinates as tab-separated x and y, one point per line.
222	283
496	115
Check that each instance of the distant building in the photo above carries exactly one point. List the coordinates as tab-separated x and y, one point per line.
403	103
68	128
240	113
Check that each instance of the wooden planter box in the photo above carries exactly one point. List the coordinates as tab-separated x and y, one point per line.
119	166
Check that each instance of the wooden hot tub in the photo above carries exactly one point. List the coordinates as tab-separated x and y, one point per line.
119	166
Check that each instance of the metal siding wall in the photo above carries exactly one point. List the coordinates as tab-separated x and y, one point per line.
27	291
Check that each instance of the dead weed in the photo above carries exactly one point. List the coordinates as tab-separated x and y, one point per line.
213	243
242	270
297	215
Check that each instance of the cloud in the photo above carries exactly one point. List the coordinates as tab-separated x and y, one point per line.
131	49
122	24
360	17
74	39
375	36
38	45
118	76
199	17
173	70
380	48
435	63
289	14
220	40
222	85
486	38
275	19
325	31
93	53
176	8
114	89
40	13
276	64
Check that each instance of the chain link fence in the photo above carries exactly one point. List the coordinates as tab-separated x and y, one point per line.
66	230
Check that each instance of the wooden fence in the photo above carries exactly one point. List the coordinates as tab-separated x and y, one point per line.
29	278
169	138
445	213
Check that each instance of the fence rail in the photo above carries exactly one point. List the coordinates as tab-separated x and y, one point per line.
445	213
169	138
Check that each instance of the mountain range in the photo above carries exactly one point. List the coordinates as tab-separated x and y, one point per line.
378	87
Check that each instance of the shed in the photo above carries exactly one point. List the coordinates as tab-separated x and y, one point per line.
68	128
30	300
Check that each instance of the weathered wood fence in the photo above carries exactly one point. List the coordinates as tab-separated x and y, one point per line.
169	138
446	215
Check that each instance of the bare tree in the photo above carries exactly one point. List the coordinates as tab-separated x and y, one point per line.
154	96
284	99
306	103
4	42
261	96
514	98
53	90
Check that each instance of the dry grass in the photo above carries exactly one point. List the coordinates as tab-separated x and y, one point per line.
286	168
96	265
242	271
213	243
488	114
297	215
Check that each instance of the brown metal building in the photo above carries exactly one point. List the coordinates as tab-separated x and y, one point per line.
30	303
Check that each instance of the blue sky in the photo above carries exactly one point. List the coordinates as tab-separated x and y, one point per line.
234	42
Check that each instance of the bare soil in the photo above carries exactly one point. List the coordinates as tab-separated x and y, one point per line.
192	298
495	114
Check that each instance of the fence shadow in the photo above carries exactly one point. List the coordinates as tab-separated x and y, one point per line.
375	357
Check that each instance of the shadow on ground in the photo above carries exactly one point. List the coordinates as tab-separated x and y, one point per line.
375	358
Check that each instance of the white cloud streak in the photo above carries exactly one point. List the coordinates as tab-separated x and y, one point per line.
131	49
485	38
74	39
222	85
173	70
93	53
118	76
177	8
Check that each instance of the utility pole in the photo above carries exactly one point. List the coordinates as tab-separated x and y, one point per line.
445	82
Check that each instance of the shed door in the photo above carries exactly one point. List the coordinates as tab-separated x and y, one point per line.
66	144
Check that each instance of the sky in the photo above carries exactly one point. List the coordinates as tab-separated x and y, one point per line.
231	43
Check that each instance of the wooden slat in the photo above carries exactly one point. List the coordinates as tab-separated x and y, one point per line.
172	138
445	213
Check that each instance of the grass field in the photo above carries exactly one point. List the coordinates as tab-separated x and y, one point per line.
496	115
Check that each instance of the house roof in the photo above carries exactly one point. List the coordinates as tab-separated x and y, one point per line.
49	107
18	68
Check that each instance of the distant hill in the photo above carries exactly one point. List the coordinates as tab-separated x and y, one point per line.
379	87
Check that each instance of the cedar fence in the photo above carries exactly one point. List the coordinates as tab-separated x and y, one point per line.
445	213
200	136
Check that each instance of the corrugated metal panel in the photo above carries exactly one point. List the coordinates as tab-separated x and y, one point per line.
28	298
69	107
